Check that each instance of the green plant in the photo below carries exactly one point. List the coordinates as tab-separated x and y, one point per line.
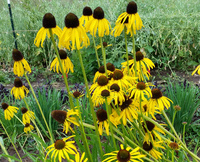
186	96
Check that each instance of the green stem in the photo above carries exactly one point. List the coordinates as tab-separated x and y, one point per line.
134	54
87	149
33	92
125	37
10	141
19	120
142	73
104	56
96	51
172	155
91	104
110	124
184	146
184	133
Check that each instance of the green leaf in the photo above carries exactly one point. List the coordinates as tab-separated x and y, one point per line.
11	157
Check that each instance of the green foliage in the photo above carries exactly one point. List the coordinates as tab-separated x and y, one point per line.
187	97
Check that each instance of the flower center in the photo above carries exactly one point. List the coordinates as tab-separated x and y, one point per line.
123	156
18	83
63	54
126	103
131	8
147	147
150	126
117	75
110	66
145	108
101	69
71	21
76	94
102	80
139	56
98	13
59	116
141	86
115	87
105	93
24	110
101	115
156	93
17	55
49	21
87	11
4	105
59	144
173	145
27	125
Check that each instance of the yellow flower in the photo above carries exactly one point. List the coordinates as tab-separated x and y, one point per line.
117	94
98	22
152	148
48	22
20	63
102	121
158	100
80	159
104	45
196	70
124	155
119	27
27	115
77	94
73	32
66	63
28	128
9	111
65	118
131	19
128	111
18	89
61	149
87	16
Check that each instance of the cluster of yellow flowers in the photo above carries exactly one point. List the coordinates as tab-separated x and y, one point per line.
125	91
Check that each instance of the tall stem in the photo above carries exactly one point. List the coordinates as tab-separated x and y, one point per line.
134	54
10	140
104	56
91	104
87	149
96	51
33	92
125	37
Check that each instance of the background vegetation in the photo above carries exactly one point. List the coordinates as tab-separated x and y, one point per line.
170	37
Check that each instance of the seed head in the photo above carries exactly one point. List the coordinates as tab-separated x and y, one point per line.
49	21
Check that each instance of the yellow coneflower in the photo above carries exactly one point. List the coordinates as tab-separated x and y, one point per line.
104	45
49	21
140	90
98	22
119	27
152	148
124	81
61	149
80	159
28	128
87	16
96	88
147	110
131	18
27	115
153	131
117	94
65	118
77	93
158	100
128	111
18	89
20	63
124	155
74	35
102	121
196	70
66	63
9	111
